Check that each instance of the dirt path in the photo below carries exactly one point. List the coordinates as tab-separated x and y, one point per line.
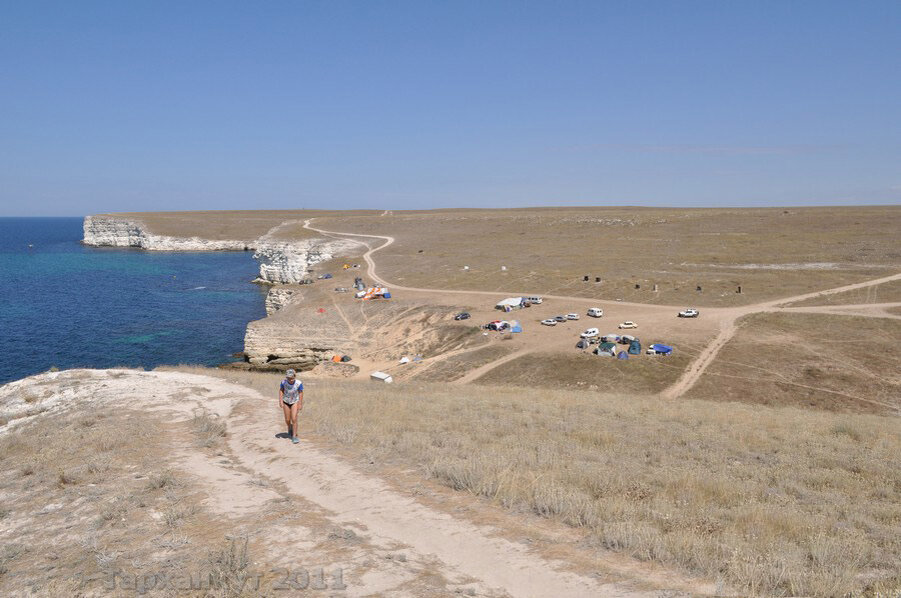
727	317
482	370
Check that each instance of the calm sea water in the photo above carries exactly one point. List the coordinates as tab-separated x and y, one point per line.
66	305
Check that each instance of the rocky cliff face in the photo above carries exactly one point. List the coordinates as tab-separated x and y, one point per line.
290	262
296	337
114	232
281	262
279	297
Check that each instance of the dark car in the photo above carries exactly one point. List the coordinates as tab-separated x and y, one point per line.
560	318
463	315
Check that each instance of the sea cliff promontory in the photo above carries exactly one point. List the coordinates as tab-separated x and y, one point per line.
281	262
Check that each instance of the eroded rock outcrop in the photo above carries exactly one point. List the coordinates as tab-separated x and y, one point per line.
281	262
296	336
118	232
279	297
290	262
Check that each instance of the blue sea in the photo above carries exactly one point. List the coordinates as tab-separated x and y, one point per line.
66	305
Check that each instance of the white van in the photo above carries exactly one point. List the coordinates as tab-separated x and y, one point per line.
533	300
595	312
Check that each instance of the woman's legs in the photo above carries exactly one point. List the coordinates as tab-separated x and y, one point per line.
286	409
295	408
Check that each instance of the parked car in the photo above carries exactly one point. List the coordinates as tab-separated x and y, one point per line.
340	290
583	344
689	313
628	324
463	315
572	316
549	322
560	318
590	333
595	312
324	276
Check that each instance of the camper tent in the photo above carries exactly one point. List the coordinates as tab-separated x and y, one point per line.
510	303
606	350
661	349
635	347
516	326
622	355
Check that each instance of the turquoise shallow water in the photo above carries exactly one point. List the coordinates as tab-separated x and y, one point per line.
66	305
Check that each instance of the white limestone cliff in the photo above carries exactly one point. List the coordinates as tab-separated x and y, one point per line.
117	232
281	262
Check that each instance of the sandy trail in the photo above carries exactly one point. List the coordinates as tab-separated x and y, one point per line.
726	316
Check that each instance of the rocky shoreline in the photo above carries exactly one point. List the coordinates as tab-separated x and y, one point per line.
281	263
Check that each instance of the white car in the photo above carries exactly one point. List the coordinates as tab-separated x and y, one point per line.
689	313
572	316
549	322
628	324
590	333
595	312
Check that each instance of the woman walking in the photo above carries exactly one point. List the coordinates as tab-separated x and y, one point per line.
290	397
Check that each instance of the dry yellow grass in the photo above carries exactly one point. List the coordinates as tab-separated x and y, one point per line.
578	370
771	252
843	363
776	501
94	494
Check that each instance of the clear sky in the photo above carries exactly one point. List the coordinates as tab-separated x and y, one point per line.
156	105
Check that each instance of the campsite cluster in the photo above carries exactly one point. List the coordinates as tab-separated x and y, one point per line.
606	344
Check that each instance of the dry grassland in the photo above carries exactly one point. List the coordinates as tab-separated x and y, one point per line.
94	493
225	224
770	252
842	363
775	501
457	366
578	370
889	292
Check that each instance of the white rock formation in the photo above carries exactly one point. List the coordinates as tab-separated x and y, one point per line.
116	232
281	262
290	262
279	297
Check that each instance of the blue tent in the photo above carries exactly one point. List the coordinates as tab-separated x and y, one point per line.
635	347
662	349
387	295
622	355
516	327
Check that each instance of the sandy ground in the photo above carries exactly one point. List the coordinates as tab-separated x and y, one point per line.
405	535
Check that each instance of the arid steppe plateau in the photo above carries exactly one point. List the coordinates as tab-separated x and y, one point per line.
760	458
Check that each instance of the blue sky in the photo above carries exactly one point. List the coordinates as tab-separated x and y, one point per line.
116	106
